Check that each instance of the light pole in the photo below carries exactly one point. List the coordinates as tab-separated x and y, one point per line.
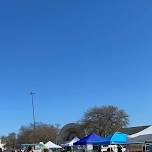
33	109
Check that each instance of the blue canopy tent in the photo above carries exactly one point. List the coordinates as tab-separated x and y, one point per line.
116	138
91	139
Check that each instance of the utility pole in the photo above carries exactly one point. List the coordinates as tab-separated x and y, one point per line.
33	109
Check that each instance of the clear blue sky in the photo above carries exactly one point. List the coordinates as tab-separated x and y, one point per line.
74	55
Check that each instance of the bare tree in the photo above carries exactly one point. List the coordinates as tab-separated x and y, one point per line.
43	132
104	120
10	140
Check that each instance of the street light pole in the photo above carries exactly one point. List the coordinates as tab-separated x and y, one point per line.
33	109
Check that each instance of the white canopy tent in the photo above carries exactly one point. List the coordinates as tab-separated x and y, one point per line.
146	131
51	145
70	143
41	143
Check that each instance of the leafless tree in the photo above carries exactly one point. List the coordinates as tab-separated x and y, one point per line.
10	140
104	120
43	132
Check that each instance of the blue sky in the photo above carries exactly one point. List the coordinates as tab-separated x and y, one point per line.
74	55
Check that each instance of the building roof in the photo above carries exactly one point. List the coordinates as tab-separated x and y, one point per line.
133	130
141	139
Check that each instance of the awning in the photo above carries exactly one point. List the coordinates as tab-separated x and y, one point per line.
91	139
51	145
116	138
70	143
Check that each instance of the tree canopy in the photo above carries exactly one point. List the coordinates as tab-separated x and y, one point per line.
43	132
104	120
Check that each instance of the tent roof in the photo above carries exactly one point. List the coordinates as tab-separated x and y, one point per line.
51	145
116	138
70	143
92	139
146	131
